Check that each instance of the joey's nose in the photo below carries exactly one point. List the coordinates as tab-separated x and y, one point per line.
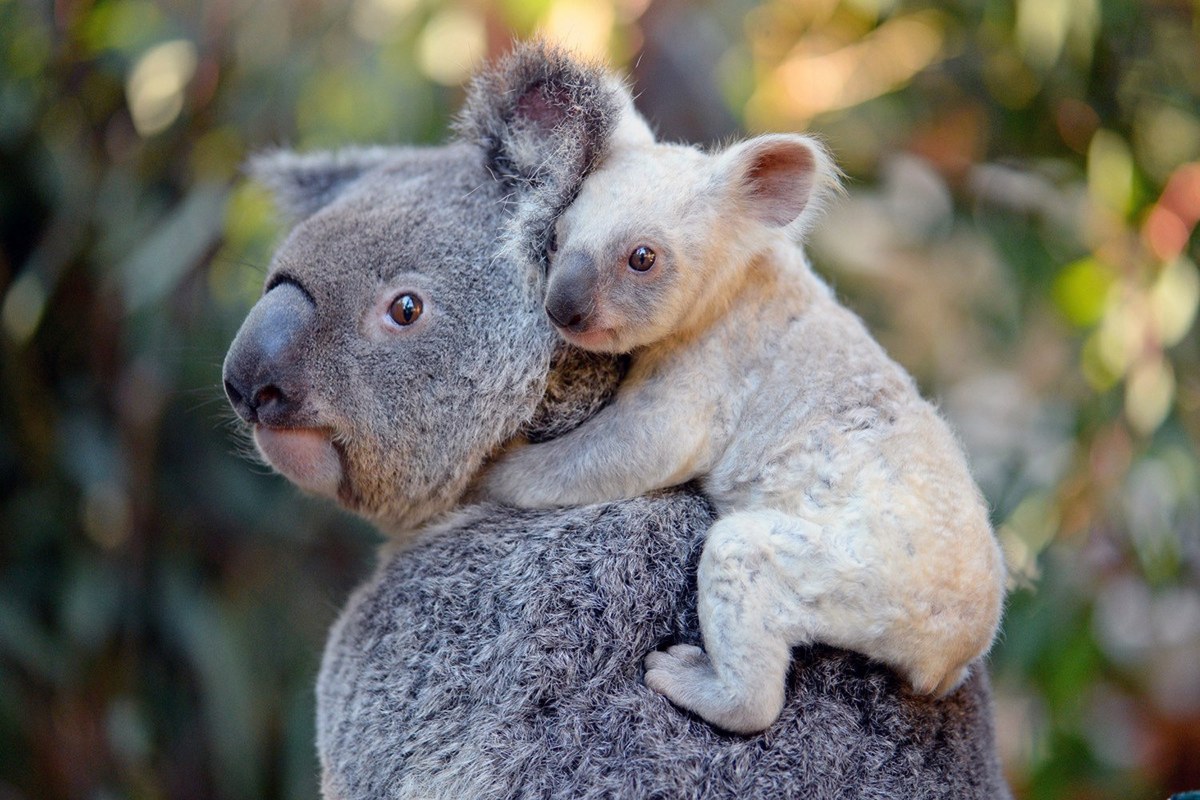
265	369
570	290
565	314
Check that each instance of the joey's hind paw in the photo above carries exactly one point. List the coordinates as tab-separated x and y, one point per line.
682	673
685	676
685	654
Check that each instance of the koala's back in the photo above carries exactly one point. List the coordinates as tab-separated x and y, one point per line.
500	658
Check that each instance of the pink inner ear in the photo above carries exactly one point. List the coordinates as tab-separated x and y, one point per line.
780	180
538	109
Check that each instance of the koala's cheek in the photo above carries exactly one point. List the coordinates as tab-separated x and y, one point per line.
305	456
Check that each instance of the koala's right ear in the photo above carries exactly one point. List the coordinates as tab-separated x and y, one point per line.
305	183
781	180
543	116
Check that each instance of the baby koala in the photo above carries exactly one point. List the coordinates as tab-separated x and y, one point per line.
847	514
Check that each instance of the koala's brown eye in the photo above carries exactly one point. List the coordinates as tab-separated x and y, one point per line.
641	259
552	243
405	309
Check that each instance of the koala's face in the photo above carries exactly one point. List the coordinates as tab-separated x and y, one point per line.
631	249
391	352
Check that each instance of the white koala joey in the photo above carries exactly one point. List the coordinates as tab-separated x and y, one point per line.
847	514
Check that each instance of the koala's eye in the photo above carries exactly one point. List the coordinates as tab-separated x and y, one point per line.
641	259
552	242
405	309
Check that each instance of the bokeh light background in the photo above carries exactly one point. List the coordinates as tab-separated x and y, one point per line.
1024	188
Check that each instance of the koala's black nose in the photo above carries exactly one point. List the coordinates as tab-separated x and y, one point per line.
262	403
570	291
265	369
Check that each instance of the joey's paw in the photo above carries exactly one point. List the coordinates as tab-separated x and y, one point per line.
686	677
687	654
951	681
682	673
939	683
506	483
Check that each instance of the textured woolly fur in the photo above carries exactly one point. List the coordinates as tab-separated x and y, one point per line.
496	652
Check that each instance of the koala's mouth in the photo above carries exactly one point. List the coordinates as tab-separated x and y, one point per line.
305	456
597	340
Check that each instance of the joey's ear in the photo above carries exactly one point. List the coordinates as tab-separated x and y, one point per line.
780	179
305	183
544	116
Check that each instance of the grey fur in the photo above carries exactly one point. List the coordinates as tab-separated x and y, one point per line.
305	183
496	652
500	658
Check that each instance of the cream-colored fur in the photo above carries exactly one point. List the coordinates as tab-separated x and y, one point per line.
847	512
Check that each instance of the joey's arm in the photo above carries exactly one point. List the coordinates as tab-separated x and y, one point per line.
633	446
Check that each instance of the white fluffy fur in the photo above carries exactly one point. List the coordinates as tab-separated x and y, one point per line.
847	511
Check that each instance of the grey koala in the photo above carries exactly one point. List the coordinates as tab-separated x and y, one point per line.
495	653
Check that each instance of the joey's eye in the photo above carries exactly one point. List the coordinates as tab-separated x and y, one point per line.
641	259
405	309
552	242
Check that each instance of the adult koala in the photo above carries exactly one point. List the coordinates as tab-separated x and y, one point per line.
496	653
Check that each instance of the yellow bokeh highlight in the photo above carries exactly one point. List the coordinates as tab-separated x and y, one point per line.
1149	393
1024	535
584	26
156	84
814	80
23	306
452	44
1174	298
1081	291
1110	172
1119	339
1042	30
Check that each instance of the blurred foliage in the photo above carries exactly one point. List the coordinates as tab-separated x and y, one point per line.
1020	232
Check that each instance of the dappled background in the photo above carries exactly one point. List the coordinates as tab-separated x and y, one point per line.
1024	187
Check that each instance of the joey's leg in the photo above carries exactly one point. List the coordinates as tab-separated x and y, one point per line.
769	581
627	449
737	682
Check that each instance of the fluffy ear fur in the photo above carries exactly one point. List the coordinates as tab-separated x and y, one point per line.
782	180
542	115
305	183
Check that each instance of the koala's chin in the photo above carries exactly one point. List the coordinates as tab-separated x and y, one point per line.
305	456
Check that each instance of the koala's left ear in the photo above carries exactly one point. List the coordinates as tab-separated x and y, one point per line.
782	180
545	117
305	183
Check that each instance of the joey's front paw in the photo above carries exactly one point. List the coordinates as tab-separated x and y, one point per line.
507	482
498	486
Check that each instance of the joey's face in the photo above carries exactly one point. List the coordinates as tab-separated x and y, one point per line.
623	261
388	355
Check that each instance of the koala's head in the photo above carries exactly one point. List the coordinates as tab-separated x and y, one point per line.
660	233
400	338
